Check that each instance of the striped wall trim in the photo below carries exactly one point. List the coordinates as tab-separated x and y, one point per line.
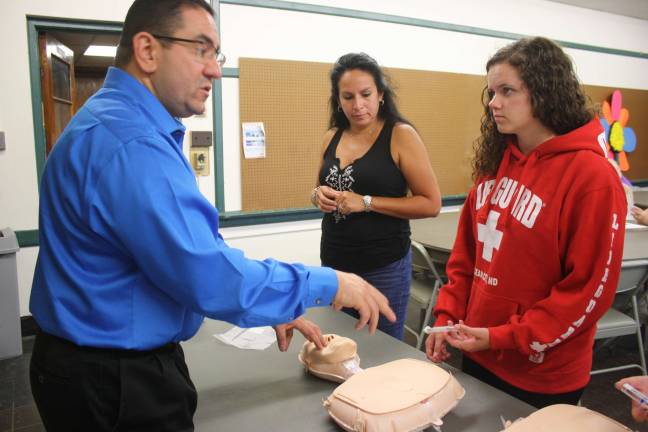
288	215
453	200
27	238
233	219
417	22
230	72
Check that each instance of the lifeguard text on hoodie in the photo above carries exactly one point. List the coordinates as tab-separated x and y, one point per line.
537	259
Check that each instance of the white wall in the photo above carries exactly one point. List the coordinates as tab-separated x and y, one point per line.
265	33
18	189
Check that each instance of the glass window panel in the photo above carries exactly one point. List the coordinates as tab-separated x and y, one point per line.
61	78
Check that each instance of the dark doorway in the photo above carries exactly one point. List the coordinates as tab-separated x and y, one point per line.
69	76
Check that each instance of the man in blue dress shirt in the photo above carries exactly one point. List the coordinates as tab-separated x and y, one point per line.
130	258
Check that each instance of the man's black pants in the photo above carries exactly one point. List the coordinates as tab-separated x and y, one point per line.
93	389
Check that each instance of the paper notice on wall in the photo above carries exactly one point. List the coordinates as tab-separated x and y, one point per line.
254	144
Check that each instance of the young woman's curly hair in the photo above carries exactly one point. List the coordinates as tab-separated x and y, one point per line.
557	99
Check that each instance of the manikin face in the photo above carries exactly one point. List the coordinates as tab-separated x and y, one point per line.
183	80
510	101
359	98
338	349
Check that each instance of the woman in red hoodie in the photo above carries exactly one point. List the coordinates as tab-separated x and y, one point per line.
539	246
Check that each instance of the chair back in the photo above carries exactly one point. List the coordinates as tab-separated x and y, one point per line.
620	320
633	276
422	263
424	290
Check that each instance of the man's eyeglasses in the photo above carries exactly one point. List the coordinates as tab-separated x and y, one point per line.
206	51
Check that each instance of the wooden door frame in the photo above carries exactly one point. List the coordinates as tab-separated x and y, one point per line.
48	91
35	25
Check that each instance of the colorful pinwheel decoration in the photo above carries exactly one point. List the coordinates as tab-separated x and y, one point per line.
621	139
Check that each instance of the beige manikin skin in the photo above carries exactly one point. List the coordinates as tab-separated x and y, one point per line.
399	396
566	418
336	362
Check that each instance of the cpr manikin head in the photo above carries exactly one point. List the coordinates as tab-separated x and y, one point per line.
335	362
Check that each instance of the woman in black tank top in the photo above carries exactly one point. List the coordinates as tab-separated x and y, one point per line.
371	157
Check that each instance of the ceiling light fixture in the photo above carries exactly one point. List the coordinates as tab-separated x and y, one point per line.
101	51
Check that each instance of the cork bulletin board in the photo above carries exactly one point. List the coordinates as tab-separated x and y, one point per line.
291	99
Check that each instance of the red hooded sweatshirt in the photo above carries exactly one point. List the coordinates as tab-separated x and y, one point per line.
537	260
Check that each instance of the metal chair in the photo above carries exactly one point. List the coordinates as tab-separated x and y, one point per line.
616	323
426	282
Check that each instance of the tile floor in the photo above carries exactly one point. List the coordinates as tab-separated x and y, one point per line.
17	409
601	395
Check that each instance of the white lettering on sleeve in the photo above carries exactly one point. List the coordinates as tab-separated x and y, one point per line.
534	345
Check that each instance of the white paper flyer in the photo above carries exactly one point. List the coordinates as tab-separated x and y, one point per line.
254	145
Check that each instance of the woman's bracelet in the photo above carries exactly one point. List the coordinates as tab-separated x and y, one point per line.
314	196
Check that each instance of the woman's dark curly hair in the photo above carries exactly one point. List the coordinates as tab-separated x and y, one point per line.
556	97
361	61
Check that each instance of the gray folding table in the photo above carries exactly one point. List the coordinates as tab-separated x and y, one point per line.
244	390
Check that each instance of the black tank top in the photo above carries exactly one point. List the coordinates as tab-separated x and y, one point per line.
362	241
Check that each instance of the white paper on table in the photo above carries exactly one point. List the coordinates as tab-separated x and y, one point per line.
257	338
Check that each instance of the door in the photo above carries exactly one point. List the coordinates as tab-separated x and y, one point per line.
58	86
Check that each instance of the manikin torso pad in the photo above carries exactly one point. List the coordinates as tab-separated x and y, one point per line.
566	418
402	395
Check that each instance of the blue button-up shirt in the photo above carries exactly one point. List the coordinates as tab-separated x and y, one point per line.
130	255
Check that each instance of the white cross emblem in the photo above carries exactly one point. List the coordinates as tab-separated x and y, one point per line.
489	235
